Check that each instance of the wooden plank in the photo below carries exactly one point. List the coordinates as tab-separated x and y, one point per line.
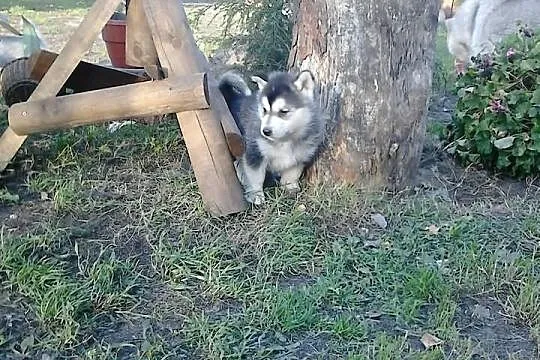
86	76
151	98
63	66
10	143
155	72
193	60
211	161
140	49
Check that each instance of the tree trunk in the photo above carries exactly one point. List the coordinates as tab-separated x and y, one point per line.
373	62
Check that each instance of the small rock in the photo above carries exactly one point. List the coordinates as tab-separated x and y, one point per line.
302	207
372	244
433	229
430	341
379	220
481	312
373	314
386	244
44	196
13	216
281	337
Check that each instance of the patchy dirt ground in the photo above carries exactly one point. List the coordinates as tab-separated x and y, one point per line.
496	332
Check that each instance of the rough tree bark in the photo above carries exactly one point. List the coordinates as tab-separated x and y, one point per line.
373	61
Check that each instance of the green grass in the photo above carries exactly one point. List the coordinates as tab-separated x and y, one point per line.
291	278
106	252
46	5
7	198
443	68
63	300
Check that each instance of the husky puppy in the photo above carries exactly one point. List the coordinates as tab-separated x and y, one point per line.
282	126
19	45
479	24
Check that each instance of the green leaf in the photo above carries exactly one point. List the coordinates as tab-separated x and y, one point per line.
474	158
535	132
483	143
529	65
524	164
519	148
535	51
484	125
536	97
522	109
503	161
504	143
514	97
535	146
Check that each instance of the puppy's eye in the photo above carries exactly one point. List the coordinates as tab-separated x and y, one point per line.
284	111
265	111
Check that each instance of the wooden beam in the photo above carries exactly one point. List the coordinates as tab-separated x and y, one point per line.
85	77
204	137
140	49
61	69
193	60
151	98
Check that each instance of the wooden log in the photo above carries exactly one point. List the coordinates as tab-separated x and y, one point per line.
86	76
151	98
140	49
204	137
235	141
193	60
63	66
19	79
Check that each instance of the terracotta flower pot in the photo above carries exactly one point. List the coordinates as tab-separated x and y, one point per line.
114	36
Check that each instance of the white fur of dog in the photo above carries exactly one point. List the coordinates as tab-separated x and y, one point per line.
479	24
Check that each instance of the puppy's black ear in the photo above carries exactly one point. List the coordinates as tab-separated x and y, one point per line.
305	83
260	82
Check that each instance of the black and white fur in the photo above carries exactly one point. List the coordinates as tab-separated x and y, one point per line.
282	126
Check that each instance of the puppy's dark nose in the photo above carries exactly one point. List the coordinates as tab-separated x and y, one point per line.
267	132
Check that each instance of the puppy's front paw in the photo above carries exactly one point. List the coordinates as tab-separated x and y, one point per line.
255	197
292	188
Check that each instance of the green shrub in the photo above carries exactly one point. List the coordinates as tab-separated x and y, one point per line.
443	65
496	124
266	31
